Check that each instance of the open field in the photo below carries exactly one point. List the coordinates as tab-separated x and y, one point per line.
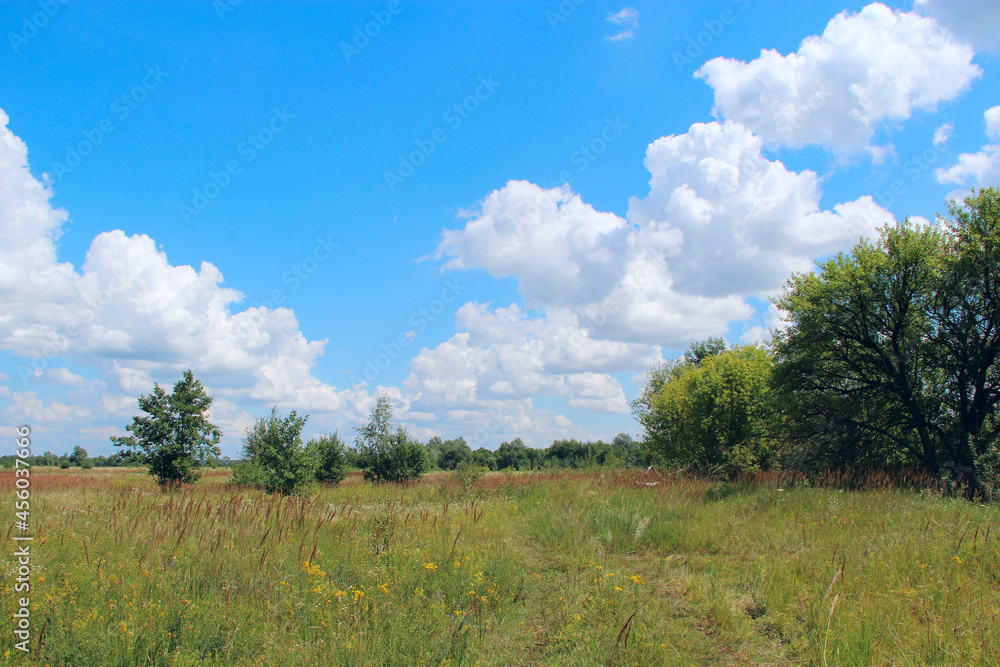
513	569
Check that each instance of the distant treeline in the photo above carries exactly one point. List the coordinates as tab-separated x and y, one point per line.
77	459
623	450
450	454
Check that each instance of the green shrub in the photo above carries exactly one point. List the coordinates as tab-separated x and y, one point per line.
274	458
387	455
330	455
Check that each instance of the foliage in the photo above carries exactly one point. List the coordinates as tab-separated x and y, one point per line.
78	456
896	346
514	454
388	455
710	409
274	458
448	454
176	436
484	458
628	450
330	455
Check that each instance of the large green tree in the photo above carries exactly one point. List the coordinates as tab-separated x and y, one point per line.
896	346
175	436
710	407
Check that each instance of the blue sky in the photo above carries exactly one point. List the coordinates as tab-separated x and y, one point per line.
502	214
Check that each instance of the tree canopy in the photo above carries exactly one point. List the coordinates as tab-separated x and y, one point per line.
175	436
896	344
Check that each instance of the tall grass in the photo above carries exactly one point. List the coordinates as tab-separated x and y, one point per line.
575	568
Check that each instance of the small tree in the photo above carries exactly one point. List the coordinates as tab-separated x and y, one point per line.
78	456
274	458
176	436
386	455
330	455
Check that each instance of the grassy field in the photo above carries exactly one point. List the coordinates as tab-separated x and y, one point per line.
595	568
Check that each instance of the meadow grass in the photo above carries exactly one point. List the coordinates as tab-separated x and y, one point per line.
570	568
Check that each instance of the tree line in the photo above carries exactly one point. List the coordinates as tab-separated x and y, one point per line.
175	439
78	458
889	361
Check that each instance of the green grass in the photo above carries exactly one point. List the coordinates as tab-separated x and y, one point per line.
514	569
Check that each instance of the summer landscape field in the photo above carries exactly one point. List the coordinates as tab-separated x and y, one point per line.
513	568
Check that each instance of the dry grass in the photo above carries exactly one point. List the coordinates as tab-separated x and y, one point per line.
514	569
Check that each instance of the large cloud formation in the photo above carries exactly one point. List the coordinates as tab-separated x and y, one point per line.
721	222
134	315
865	69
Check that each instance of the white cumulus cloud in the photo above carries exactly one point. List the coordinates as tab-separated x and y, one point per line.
865	69
978	169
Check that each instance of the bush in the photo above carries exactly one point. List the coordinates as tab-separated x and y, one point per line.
386	455
274	458
330	455
469	473
65	464
87	464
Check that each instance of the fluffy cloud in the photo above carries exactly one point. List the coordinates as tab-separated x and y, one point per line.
745	222
136	317
974	21
721	222
505	355
561	250
867	68
978	169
